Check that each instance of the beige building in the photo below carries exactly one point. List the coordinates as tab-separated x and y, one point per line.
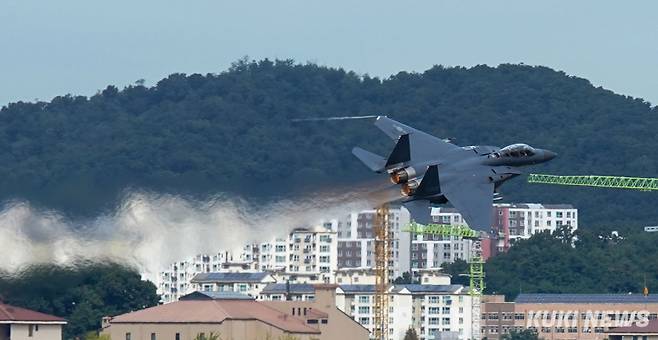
237	317
635	332
565	316
23	324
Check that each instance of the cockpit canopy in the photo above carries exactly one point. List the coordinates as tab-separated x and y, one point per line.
517	150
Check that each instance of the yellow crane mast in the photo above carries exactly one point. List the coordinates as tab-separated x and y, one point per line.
382	258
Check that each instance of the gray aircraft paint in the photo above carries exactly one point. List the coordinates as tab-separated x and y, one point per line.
467	176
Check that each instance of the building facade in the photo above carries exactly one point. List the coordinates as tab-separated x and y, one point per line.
306	255
23	324
565	316
176	280
356	241
429	309
236	316
513	222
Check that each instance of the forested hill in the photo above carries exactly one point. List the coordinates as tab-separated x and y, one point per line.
231	132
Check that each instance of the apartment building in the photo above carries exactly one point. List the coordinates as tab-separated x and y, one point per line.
565	316
429	252
513	222
306	255
356	240
175	281
429	309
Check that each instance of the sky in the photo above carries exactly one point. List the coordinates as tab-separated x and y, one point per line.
50	48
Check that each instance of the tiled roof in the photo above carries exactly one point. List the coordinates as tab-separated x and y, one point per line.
229	277
412	288
357	288
203	295
10	313
418	288
586	298
215	311
295	288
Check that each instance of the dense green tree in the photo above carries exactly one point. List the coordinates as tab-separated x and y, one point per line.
82	294
587	261
524	334
406	278
458	271
231	132
410	334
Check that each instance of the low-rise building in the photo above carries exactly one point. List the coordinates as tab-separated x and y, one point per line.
232	315
648	331
18	323
565	316
287	292
247	283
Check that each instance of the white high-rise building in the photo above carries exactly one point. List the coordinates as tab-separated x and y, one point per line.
306	255
175	281
356	241
430	309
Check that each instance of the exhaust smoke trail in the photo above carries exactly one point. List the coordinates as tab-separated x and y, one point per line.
149	231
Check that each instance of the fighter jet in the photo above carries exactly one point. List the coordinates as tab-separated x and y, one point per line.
431	171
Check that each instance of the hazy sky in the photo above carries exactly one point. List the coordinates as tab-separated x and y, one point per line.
49	48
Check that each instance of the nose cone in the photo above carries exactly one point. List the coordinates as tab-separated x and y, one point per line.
548	155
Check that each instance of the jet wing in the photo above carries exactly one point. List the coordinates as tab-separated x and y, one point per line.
473	200
423	146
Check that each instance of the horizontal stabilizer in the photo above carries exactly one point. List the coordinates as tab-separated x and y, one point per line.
373	161
401	152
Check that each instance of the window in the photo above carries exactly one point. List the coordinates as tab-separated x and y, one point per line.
433	299
364	310
128	336
433	310
177	336
364	299
152	336
30	330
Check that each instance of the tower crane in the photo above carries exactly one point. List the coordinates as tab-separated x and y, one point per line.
615	182
476	264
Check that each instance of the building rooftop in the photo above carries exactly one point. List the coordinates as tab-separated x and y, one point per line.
586	298
10	313
418	288
216	311
295	288
357	288
229	277
203	295
412	288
